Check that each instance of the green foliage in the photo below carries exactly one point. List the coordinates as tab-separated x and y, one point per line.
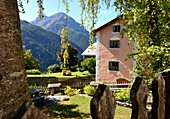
68	55
86	73
30	61
64	34
64	72
33	71
90	90
40	9
35	86
53	68
73	68
79	69
70	91
43	43
89	64
123	95
147	23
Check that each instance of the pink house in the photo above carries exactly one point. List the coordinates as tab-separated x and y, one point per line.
111	63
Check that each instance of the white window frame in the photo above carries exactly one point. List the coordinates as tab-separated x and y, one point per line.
116	25
114	39
118	65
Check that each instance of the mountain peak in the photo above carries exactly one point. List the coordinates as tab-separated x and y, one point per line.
57	21
60	14
37	19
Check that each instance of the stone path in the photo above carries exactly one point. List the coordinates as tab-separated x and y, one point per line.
49	100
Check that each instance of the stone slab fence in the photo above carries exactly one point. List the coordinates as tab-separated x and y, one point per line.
103	102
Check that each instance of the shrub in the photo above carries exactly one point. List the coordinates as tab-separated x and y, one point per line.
30	61
33	71
70	91
86	73
89	64
53	68
68	73
64	72
123	95
73	68
35	86
90	90
79	69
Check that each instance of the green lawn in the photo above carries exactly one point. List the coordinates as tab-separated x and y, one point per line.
60	75
78	107
122	113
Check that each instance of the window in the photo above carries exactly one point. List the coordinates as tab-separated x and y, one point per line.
116	28
114	43
114	65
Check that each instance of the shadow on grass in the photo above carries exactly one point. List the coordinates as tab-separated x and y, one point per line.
63	111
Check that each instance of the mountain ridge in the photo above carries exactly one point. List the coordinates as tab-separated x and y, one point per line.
55	23
45	43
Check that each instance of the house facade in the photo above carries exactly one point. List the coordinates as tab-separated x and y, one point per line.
111	61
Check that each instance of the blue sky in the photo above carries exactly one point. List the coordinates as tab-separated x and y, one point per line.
54	6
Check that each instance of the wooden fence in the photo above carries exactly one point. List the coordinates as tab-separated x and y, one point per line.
114	86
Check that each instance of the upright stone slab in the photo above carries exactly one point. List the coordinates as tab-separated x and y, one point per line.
29	111
161	95
34	113
103	103
138	94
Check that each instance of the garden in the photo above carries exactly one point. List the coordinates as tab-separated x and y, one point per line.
77	105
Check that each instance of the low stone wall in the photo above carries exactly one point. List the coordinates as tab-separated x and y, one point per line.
76	82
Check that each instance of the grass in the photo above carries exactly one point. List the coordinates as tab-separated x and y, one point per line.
78	107
60	75
122	113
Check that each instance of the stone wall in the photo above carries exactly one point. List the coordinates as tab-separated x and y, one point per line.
77	82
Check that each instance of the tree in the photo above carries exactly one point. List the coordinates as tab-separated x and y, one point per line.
89	64
147	23
13	84
67	56
54	68
30	61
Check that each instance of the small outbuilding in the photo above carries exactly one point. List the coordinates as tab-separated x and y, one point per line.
90	51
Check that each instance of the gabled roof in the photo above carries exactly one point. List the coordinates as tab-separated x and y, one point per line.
91	50
108	23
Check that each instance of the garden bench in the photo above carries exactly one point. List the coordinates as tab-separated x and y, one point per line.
54	88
